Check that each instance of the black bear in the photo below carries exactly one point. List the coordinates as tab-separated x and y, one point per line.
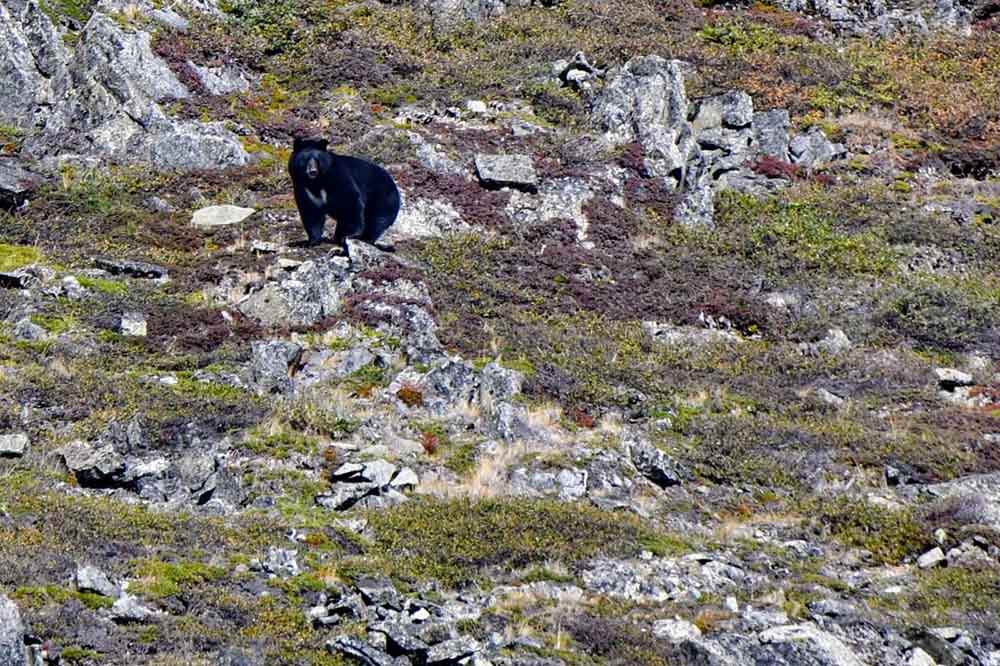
362	197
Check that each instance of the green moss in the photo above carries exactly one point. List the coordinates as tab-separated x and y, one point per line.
159	579
77	10
280	444
16	256
55	325
38	596
742	37
460	540
461	457
75	653
104	286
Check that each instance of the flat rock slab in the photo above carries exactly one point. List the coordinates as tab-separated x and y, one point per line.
515	171
220	216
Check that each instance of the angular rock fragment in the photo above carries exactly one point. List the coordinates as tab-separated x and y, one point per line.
514	171
211	217
13	445
137	269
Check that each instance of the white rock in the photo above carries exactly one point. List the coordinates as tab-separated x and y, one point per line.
406	478
822	642
13	445
133	324
931	558
220	216
676	631
953	376
920	658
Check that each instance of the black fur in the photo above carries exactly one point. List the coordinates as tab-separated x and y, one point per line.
362	197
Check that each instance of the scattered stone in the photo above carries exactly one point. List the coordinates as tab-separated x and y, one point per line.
273	364
949	378
654	464
676	630
264	247
92	579
577	73
13	445
136	269
133	324
29	331
157	205
281	562
129	609
378	591
932	558
452	651
514	171
920	658
220	216
18	279
813	149
360	651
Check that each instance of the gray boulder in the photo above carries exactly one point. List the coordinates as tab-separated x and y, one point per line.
272	364
99	99
93	465
92	579
770	132
11	634
16	182
653	463
646	102
813	149
361	652
301	297
514	171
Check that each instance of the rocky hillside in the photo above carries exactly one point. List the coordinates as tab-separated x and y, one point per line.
687	353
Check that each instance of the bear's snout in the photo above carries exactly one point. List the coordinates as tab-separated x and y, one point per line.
312	168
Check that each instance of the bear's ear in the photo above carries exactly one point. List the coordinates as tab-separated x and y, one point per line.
322	144
297	143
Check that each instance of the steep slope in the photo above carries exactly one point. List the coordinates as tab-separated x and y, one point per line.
686	354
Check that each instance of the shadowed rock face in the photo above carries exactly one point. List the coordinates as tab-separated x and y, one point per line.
99	99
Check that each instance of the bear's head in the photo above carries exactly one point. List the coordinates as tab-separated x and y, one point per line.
310	156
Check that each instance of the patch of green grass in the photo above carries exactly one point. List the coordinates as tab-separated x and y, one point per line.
742	37
789	235
461	457
16	256
54	324
78	10
459	541
75	653
954	595
889	535
158	579
280	443
103	285
187	385
37	596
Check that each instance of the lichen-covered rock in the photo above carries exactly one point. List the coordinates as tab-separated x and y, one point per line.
646	102
99	99
514	171
11	634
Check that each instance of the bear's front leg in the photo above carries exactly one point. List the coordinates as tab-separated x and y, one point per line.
350	224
